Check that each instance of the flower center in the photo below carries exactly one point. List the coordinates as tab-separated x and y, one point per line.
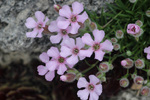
133	29
76	51
73	19
64	32
91	87
39	26
96	46
61	60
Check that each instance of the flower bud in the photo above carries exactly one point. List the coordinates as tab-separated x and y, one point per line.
133	75
103	79
57	7
138	80
133	29
148	13
93	26
127	63
138	34
114	40
139	63
99	74
129	53
132	1
119	34
124	82
148	72
145	91
111	66
116	46
104	67
139	23
69	77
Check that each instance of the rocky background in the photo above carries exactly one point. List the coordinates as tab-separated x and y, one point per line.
15	47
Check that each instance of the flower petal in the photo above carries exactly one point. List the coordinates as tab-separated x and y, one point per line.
86	53
53	52
49	76
77	8
42	70
98	35
86	38
44	57
148	56
79	43
82	18
52	65
65	11
65	51
72	60
82	82
93	96
32	34
147	50
56	38
30	23
40	16
98	89
63	24
53	27
93	79
74	28
83	94
39	35
106	45
62	68
46	20
99	55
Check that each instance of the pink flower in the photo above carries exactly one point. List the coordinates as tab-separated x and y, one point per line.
94	88
38	26
95	45
147	50
127	63
72	17
57	62
42	70
62	33
72	50
133	29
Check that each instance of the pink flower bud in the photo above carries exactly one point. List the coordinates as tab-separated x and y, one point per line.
139	63
145	91
119	34
139	23
99	74
57	7
93	26
104	67
138	80
69	77
116	46
127	63
148	13
114	40
124	82
133	29
138	34
133	75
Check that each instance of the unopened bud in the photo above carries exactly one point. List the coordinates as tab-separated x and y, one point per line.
103	79
93	26
111	66
139	23
69	77
145	91
139	63
148	72
104	67
137	35
114	40
127	63
57	7
124	82
116	46
148	13
132	1
119	34
99	74
133	75
129	53
138	80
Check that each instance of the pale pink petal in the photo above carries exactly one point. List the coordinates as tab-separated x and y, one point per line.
93	79
32	34
98	35
30	23
63	24
42	70
65	11
69	43
50	76
60	19
44	57
65	51
46	20
39	35
56	38
106	45
52	65
53	52
83	94
62	68
81	18
82	82
79	43
40	16
86	53
148	56
65	37
147	50
72	60
98	89
74	28
81	57
99	55
86	38
77	8
123	62
53	27
93	96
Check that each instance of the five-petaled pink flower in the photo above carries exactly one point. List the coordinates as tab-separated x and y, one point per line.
71	50
42	70
72	17
57	62
95	45
61	33
133	29
147	50
94	88
38	26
